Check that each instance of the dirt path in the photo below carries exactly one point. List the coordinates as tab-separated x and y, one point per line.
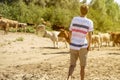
29	57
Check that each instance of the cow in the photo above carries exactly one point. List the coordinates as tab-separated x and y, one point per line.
40	28
105	39
13	24
96	41
65	34
4	25
53	35
115	37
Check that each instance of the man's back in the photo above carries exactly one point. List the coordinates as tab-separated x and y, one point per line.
80	26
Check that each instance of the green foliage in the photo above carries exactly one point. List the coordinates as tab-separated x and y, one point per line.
61	17
48	13
30	30
104	13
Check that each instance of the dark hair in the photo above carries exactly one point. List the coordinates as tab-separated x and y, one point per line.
84	9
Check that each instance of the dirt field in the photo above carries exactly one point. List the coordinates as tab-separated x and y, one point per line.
26	56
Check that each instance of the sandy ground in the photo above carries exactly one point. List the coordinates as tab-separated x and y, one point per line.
25	56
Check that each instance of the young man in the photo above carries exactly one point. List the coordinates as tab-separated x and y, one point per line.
80	28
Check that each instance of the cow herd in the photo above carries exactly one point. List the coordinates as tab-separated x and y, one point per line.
98	40
6	24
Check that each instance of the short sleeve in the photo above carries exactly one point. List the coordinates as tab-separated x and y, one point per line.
91	26
70	28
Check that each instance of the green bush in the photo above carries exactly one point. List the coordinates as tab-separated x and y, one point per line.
104	13
30	30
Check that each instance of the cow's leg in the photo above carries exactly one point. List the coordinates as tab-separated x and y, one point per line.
4	28
66	46
57	45
16	28
93	46
114	43
54	44
98	46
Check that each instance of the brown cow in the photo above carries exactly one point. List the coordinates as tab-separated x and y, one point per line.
4	25
115	37
65	34
13	24
7	23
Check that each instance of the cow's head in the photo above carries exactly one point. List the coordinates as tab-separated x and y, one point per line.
65	34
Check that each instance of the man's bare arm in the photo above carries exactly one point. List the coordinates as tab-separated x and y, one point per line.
89	39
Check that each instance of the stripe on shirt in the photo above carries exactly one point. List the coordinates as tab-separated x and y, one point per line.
83	26
78	30
77	45
78	35
77	48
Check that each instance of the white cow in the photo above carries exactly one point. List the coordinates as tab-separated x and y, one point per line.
105	39
53	35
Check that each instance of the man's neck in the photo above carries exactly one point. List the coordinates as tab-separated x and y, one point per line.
82	15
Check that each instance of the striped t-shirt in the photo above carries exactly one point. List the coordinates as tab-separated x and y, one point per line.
80	26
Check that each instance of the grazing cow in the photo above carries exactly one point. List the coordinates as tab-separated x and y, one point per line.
40	27
7	23
96	41
67	35
115	37
105	38
53	35
13	24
